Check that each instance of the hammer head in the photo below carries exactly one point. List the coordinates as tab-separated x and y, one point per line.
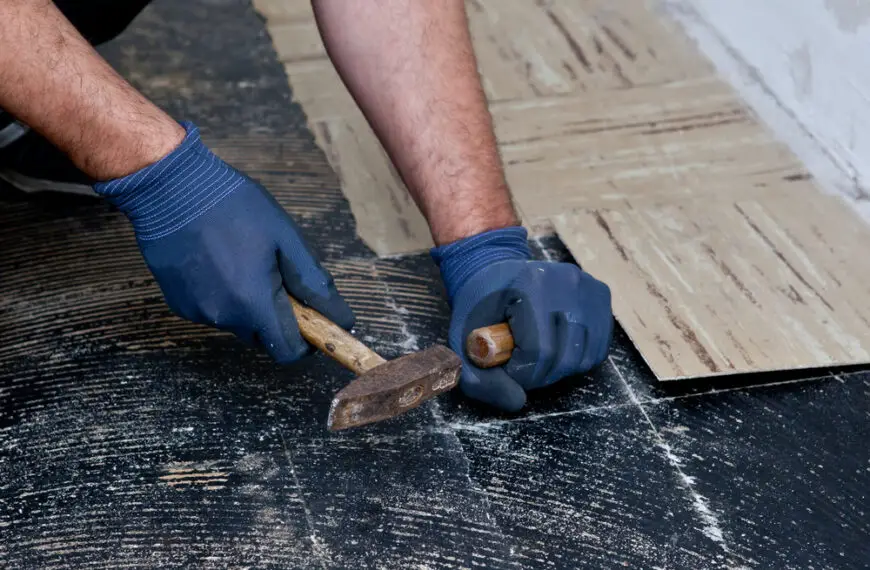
394	387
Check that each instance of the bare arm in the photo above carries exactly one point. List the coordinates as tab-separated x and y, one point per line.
410	66
52	80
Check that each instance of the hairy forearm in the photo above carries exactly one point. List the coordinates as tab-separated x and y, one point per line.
411	67
53	80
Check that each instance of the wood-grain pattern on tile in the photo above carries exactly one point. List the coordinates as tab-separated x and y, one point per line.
688	138
707	287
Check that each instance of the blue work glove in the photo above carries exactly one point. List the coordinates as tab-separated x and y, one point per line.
223	251
560	316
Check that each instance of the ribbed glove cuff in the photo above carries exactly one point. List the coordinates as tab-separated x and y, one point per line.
166	196
460	260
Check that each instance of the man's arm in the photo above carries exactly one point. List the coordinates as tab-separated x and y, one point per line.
411	67
222	250
53	80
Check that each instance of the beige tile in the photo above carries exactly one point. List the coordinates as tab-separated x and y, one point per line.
690	138
503	72
318	88
297	41
628	37
707	287
567	46
387	218
276	11
525	32
634	110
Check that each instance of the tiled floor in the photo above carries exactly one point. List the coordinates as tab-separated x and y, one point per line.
106	400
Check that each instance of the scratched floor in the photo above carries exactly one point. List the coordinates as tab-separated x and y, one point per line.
130	439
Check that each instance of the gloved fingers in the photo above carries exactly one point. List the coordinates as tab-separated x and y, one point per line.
493	387
600	335
535	339
277	330
598	320
312	285
602	329
574	354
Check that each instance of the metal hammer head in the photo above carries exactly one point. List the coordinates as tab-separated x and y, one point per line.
394	387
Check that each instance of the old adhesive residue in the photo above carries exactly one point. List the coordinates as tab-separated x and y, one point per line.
207	475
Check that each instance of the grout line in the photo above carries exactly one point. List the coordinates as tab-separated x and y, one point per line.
435	409
539	242
470	426
533	418
749	387
409	341
317	546
701	505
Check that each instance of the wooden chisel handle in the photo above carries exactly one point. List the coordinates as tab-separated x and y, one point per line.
490	346
334	341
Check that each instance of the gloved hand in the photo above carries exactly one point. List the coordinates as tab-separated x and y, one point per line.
223	250
560	316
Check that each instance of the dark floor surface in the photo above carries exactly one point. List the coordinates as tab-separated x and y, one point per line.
130	439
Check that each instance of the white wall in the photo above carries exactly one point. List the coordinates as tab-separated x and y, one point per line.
804	66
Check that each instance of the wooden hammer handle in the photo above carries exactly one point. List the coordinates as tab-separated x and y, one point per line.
334	341
490	346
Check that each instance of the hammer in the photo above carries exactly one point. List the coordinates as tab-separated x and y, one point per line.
383	389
